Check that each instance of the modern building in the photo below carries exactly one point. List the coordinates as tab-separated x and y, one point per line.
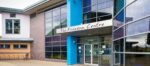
76	31
90	32
131	25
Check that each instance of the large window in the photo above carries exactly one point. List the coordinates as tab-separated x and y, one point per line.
54	19
55	43
97	10
12	26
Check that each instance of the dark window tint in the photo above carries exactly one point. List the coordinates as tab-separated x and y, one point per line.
16	26
119	45
23	46
137	60
9	26
4	46
20	46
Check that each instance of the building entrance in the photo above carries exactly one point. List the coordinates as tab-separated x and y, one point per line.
91	54
94	51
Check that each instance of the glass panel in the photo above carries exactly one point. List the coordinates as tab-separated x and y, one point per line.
118	13
105	10
48	39
97	10
105	56
63	55
138	43
119	45
87	53
9	28
56	38
138	27
48	23
48	54
56	48
95	54
4	46
16	46
48	48
56	55
63	48
56	24
23	46
136	11
16	26
86	3
137	60
56	12
119	33
118	59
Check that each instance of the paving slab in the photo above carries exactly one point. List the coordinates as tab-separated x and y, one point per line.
34	63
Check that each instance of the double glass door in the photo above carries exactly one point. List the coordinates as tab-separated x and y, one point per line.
94	51
91	54
97	54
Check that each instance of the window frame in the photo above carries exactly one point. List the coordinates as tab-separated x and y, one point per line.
19	46
13	21
4	46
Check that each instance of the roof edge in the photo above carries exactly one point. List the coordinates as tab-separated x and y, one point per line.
35	5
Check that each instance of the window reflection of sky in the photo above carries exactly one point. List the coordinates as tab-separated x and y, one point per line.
138	9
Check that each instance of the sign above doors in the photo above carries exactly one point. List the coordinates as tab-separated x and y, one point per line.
94	25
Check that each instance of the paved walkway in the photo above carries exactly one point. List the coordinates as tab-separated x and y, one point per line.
32	63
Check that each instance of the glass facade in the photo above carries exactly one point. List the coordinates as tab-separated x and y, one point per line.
55	44
131	36
97	10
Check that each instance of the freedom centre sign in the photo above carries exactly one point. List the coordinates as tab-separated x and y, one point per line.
94	25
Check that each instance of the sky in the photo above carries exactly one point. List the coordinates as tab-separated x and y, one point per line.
18	4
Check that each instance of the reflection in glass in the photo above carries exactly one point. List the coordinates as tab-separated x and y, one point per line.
118	45
88	53
95	53
118	33
138	43
138	27
55	43
136	11
118	13
97	10
118	59
137	60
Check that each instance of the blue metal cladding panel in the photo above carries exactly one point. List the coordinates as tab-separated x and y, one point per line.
74	9
74	17
71	51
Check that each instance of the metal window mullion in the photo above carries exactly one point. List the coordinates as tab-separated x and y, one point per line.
13	21
124	40
19	46
97	11
52	35
4	46
60	34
